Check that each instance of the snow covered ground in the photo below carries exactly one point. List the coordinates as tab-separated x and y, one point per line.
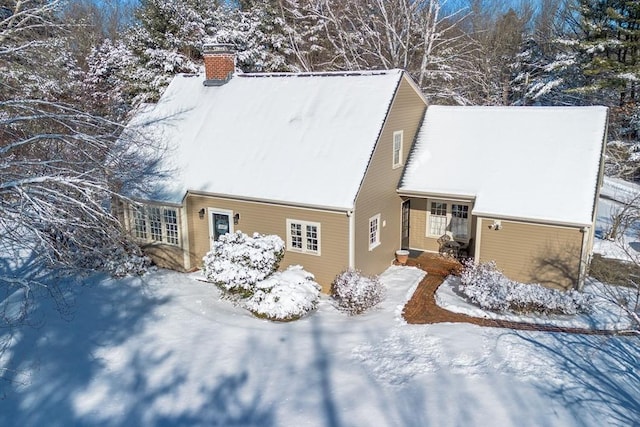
614	193
164	350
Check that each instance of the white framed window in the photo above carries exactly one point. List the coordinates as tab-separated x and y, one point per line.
397	148
155	224
303	237
374	231
460	221
437	219
443	216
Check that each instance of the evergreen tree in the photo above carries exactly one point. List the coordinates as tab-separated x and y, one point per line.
610	48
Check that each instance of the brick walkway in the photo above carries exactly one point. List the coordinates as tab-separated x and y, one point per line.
422	307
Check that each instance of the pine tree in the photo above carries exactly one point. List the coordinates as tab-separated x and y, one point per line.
610	48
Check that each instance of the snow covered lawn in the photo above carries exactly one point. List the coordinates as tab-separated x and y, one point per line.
164	350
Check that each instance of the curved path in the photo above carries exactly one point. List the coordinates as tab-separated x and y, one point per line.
422	307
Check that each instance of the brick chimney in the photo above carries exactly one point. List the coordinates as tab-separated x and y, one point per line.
219	63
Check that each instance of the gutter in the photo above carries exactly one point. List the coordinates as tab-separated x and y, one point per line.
540	221
334	209
428	195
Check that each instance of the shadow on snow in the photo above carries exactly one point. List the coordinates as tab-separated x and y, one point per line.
602	374
49	364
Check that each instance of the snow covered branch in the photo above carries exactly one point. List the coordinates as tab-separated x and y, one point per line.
23	18
62	172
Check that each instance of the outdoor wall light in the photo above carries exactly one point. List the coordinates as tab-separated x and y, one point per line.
497	225
201	213
236	219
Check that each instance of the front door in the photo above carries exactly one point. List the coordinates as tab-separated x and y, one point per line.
220	223
406	208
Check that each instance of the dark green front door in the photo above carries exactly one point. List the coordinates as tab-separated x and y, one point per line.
220	225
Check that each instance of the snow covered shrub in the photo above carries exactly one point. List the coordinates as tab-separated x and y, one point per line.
486	286
127	260
356	293
286	295
237	262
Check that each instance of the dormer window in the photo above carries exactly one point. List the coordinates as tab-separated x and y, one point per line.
397	148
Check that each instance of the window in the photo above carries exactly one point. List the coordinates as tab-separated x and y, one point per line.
438	219
139	224
171	225
397	149
453	217
460	221
156	224
303	237
374	231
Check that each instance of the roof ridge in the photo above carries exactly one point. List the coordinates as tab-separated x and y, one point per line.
321	73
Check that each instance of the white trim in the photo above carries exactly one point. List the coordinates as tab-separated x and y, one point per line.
479	229
184	233
304	242
584	257
143	209
395	165
270	202
377	242
352	239
211	211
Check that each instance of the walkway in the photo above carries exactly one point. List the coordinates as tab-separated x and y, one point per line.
422	307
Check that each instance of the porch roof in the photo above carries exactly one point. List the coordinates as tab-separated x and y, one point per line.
538	163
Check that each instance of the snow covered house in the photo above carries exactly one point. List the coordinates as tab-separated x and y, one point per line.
516	185
315	158
328	162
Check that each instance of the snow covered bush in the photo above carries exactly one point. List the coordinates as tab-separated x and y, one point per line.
237	262
356	293
127	260
486	286
286	295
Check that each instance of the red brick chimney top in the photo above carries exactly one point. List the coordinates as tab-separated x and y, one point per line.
219	63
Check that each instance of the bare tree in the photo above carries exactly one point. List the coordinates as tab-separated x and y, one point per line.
624	224
416	35
61	168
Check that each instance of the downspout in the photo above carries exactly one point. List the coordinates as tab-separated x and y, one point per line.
352	238
584	262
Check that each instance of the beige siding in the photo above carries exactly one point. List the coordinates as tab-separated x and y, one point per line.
378	191
271	219
418	227
165	256
529	252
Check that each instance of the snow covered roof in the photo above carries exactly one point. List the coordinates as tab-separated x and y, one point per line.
537	163
302	139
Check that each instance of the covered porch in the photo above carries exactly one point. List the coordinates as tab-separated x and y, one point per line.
439	225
